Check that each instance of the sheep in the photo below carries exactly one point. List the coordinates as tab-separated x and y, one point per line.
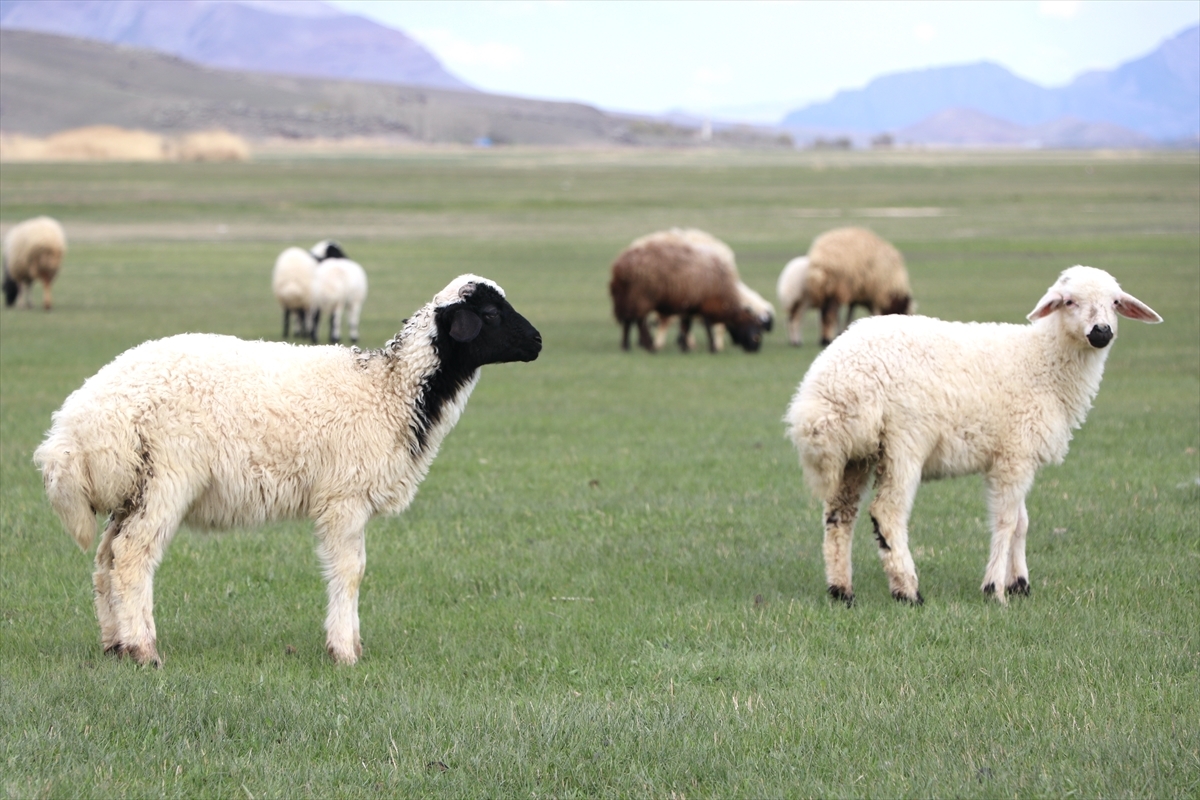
32	250
846	267
792	298
339	286
673	273
751	300
907	399
292	282
219	432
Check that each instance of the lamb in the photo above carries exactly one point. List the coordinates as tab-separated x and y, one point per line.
673	273
292	282
339	287
907	399
751	300
33	250
219	432
846	267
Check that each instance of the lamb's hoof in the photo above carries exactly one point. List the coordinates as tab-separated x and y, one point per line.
1019	586
346	656
912	601
145	655
989	589
826	342
845	595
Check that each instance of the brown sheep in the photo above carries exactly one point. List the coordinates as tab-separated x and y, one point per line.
33	250
849	267
671	273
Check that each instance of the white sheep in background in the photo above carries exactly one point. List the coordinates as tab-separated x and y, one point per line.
219	432
906	399
292	282
339	289
792	298
33	250
846	267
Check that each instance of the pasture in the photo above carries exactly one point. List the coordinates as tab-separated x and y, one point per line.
611	582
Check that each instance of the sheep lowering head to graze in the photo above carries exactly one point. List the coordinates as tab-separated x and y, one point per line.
219	432
905	399
844	267
292	282
673	273
33	250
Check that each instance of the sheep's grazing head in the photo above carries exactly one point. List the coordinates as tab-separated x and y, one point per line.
899	304
1085	302
476	325
746	330
327	248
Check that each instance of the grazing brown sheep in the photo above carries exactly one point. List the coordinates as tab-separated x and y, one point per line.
33	250
674	273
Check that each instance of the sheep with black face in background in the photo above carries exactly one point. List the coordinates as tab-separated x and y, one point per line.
292	281
33	250
219	432
906	399
339	290
845	267
670	273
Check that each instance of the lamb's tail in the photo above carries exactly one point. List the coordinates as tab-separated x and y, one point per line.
68	489
819	438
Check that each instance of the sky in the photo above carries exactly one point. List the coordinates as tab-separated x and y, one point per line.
755	60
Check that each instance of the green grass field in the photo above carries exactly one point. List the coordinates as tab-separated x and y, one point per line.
611	584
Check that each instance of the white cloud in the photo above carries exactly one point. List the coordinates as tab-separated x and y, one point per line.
924	32
457	52
1062	9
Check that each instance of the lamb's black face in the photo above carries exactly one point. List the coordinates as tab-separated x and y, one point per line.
484	329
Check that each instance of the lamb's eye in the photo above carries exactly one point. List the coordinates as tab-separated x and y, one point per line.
491	314
1069	303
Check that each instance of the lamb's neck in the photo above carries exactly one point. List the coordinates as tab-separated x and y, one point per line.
1069	373
432	394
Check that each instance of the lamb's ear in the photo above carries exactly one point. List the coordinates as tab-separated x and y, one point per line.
466	325
1051	302
1129	306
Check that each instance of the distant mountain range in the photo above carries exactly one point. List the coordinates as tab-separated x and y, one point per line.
1153	98
289	37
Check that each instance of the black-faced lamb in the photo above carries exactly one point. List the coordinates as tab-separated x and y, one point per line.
219	432
846	267
670	273
904	399
339	290
292	282
33	250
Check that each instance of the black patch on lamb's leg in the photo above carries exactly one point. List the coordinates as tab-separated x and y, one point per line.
844	595
883	545
831	519
912	601
1019	586
989	589
287	318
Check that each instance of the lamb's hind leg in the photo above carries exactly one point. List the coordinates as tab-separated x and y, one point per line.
137	546
841	511
102	581
895	489
342	546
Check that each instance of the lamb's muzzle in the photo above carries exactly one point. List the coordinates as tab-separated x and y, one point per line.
1099	336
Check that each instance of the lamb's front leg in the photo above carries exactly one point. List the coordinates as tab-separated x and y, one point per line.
1017	581
1010	521
343	550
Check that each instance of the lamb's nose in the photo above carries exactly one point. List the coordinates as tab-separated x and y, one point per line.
1100	335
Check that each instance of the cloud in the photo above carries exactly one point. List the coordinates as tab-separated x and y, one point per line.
924	32
458	52
1062	9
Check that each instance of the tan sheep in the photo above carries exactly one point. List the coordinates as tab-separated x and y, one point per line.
33	250
681	273
846	267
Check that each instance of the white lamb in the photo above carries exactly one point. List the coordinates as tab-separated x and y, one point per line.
33	250
219	432
339	289
792	297
905	399
292	282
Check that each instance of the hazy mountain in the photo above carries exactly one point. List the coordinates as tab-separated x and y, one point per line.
1158	96
291	37
966	127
